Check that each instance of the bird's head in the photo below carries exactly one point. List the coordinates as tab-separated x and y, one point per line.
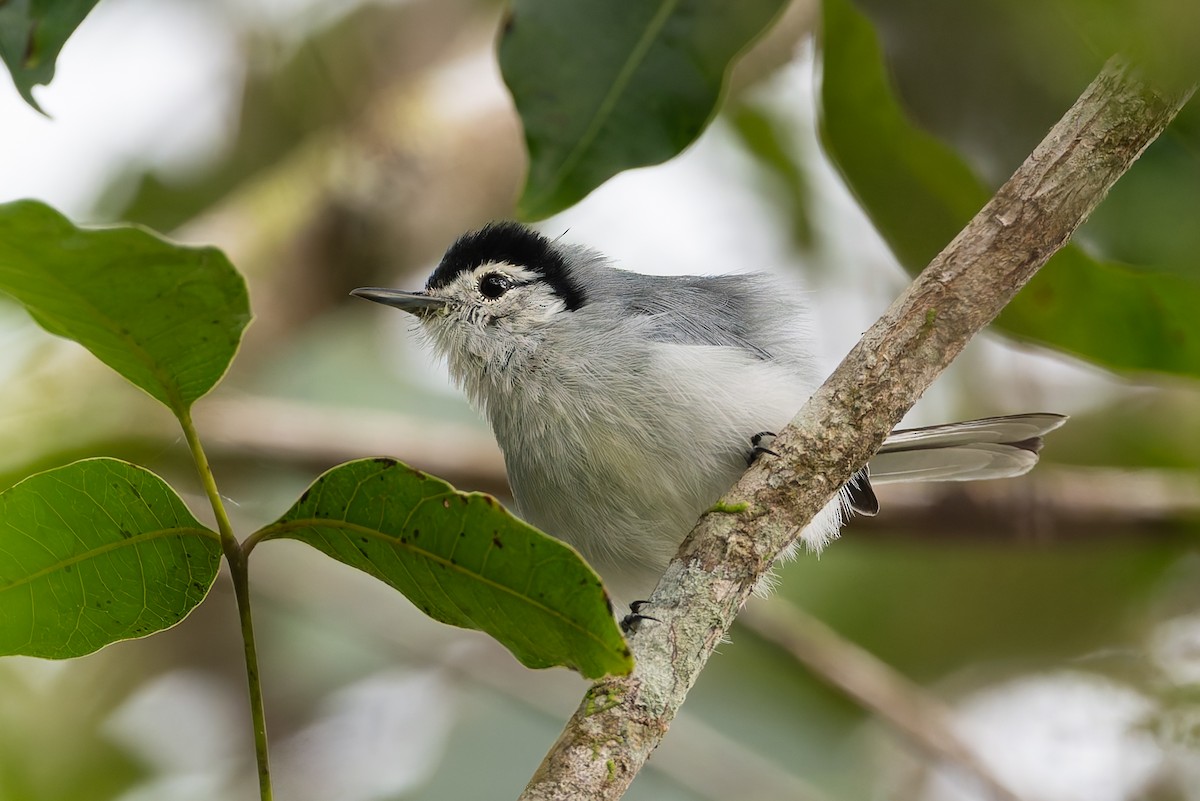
491	298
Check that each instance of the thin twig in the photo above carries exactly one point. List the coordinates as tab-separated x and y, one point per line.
870	681
622	719
267	427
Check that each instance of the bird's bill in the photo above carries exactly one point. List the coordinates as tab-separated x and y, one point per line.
412	302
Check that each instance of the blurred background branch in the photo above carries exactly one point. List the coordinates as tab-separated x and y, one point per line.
918	716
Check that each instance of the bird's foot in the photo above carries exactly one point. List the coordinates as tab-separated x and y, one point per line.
757	449
630	623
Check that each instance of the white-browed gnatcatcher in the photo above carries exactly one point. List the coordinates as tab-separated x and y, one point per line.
627	404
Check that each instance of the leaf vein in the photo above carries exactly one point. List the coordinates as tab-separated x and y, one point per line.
604	110
91	553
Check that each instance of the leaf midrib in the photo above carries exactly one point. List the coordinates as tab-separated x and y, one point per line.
282	529
173	392
604	110
107	548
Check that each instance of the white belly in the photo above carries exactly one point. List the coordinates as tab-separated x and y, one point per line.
625	480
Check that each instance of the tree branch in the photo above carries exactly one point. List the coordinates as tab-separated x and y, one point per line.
622	719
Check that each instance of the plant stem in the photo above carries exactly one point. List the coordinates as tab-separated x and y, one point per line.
239	572
241	588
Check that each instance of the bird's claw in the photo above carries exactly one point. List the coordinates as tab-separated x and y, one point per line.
630	623
756	447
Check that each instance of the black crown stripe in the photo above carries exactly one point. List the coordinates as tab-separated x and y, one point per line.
513	243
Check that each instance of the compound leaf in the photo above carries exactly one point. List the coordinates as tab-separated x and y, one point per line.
95	552
167	317
463	560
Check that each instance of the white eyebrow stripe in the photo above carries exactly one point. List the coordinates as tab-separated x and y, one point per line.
466	280
516	272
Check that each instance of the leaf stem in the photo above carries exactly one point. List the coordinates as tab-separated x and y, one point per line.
238	568
239	572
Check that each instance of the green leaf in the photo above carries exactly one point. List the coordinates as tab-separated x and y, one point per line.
605	86
32	32
768	140
463	560
1120	317
167	317
94	552
920	193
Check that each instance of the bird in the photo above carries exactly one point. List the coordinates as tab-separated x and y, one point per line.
626	404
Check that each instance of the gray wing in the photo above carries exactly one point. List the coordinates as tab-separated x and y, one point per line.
754	312
698	310
994	447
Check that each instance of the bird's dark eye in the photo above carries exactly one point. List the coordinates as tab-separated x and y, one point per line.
493	285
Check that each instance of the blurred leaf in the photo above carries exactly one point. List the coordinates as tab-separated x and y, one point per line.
767	140
293	91
463	560
992	77
929	608
1149	216
606	86
916	189
167	317
56	730
32	32
95	552
919	194
1160	35
1117	316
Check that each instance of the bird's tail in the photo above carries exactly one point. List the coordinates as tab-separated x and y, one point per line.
994	447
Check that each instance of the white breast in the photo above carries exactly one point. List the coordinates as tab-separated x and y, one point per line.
624	473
